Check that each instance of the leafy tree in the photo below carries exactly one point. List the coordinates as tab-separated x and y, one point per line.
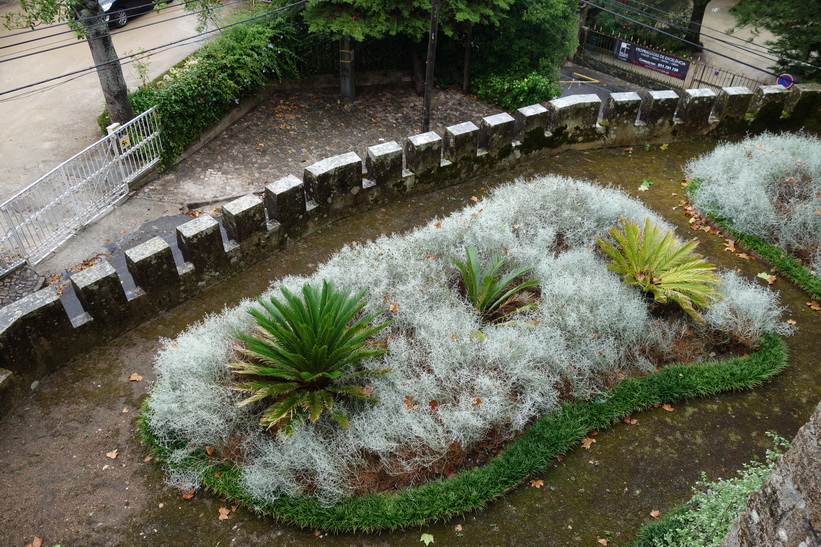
88	18
796	25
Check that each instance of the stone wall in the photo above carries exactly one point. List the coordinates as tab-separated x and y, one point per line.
38	336
786	512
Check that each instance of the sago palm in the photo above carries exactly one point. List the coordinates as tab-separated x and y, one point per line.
305	353
485	288
661	265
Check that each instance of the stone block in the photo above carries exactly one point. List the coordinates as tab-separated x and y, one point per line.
100	291
423	152
621	109
384	163
200	243
768	102
804	106
732	102
658	107
496	132
152	266
529	119
284	200
575	113
461	141
244	218
695	106
331	176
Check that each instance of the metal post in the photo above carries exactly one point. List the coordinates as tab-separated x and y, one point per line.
347	85
429	65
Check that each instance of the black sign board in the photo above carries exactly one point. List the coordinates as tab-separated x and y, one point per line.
654	60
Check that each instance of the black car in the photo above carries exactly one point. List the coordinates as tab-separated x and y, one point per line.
118	12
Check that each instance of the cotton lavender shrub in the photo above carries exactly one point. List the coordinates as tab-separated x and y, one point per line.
586	328
767	186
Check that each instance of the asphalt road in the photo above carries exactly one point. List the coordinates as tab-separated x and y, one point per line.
42	126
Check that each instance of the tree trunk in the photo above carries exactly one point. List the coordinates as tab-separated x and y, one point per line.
696	18
109	70
466	63
430	64
418	73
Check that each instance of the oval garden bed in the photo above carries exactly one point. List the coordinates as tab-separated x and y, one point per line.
483	345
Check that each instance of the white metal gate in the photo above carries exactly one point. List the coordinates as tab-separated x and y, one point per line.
45	214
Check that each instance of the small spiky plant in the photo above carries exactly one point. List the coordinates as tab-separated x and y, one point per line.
304	354
485	288
661	265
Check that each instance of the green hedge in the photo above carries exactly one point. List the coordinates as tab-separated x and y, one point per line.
512	92
472	489
196	95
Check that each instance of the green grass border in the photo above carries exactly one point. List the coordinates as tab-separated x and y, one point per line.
529	455
783	262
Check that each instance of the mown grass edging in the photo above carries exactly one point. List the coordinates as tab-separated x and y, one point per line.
540	443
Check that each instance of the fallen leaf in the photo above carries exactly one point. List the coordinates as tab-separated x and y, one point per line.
148	458
112	454
474	198
317	533
125	410
628	420
393	308
224	512
814	305
458	527
602	541
587	442
135	377
409	402
36	542
664	146
515	226
655	513
792	322
478	401
434	405
438	224
536	483
427	539
188	494
559	458
209	450
667	407
627	149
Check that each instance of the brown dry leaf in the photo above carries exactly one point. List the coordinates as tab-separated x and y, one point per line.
594	433
135	377
628	420
602	541
474	198
36	542
515	226
209	450
125	410
744	256
458	527
729	245
655	513
148	458
187	494
792	322
453	336
224	512
667	407
771	279
317	533
587	442
438	224
393	308
627	149
195	213
478	401
112	454
814	305
434	405
536	483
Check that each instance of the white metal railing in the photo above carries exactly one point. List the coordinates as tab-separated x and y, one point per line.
45	214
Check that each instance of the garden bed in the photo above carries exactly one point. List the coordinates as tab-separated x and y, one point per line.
538	381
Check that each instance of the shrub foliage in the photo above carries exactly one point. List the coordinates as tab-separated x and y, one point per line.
661	265
305	352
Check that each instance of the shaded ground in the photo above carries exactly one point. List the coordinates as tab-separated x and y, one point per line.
62	486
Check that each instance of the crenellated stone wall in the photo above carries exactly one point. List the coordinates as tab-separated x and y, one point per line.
34	331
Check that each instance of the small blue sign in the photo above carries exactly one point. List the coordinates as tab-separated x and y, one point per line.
785	80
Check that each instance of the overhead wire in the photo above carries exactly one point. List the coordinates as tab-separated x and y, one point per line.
126	59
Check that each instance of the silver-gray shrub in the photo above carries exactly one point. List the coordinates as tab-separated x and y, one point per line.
484	377
768	186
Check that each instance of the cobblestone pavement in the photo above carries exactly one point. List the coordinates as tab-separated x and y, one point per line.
18	284
291	130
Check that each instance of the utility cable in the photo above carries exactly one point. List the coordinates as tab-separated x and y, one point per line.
156	48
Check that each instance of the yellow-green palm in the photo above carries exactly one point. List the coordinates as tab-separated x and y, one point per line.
660	264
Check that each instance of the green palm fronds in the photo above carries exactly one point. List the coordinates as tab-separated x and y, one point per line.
485	288
304	352
658	263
